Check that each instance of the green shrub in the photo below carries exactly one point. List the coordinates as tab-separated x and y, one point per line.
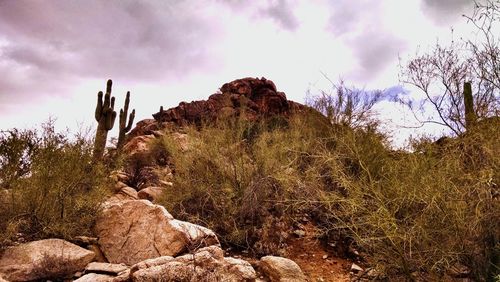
419	211
423	211
60	194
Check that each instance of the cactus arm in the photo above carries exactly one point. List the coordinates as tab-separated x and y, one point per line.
127	101
98	108
106	103
110	120
112	103
109	84
124	126
130	121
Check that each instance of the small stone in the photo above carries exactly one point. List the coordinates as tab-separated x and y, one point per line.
325	256
299	233
356	268
105	268
78	274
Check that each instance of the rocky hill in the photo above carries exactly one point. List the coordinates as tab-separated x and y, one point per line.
247	186
252	98
138	239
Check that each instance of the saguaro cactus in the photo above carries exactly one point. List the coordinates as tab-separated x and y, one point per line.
470	115
105	117
124	127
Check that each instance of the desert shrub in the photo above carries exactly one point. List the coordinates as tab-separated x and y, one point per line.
60	194
425	211
16	150
233	179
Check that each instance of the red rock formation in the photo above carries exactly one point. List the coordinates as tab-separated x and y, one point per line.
252	97
255	97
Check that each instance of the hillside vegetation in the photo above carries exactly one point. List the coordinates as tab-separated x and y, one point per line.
419	213
424	211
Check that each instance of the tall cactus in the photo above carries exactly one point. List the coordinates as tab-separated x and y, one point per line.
105	117
470	115
124	127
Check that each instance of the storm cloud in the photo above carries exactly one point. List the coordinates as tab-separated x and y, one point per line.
48	46
361	27
46	42
444	11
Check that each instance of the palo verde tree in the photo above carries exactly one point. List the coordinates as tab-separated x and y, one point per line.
447	72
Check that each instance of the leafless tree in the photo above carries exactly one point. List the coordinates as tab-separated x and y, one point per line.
441	73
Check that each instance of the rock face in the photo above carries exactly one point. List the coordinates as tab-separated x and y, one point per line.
105	272
253	96
105	268
257	97
43	259
152	193
135	230
125	193
280	269
207	264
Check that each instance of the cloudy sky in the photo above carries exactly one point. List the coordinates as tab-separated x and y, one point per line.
56	55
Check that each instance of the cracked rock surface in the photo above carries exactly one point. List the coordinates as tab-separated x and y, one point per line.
135	230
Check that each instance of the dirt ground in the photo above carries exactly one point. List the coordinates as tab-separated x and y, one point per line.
316	262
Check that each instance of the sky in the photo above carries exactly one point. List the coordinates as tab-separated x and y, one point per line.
56	55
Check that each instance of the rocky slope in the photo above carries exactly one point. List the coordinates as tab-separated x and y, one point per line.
252	98
138	240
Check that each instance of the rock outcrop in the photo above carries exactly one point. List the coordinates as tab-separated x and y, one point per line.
252	97
44	259
136	230
152	193
206	264
280	269
105	272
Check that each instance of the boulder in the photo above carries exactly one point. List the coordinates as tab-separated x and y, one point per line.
105	268
280	269
152	193
95	277
144	127
136	230
43	259
125	193
206	264
138	144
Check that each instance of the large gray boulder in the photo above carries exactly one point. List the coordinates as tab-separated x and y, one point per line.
136	230
279	269
207	264
43	259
